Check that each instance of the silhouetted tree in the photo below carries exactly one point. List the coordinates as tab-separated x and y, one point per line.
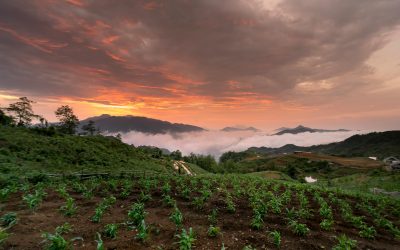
5	120
89	128
22	111
68	120
176	155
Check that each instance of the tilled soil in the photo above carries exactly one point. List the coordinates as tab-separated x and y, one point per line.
236	232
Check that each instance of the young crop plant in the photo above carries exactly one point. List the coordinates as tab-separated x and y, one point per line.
69	208
198	202
137	213
143	232
367	232
298	228
4	194
55	241
186	239
206	194
185	194
64	228
9	219
100	243
325	211
230	205
102	207
257	221
326	224
304	213
177	217
166	188
276	238
144	196
212	217
3	235
32	201
110	230
62	191
213	231
168	200
291	213
345	243
275	205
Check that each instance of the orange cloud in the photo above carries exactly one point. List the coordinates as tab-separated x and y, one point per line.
44	45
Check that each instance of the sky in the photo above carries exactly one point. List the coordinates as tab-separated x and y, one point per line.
320	63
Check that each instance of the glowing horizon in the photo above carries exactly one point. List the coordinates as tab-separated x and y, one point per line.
267	64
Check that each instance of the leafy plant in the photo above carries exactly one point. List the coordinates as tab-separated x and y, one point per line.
32	201
298	228
55	241
64	228
367	232
345	243
198	202
3	235
276	238
169	201
100	244
99	211
9	219
110	230
176	217
257	221
137	213
143	232
326	224
186	239
212	217
213	231
69	208
143	197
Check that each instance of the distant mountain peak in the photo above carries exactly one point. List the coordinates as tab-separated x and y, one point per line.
302	129
237	128
115	124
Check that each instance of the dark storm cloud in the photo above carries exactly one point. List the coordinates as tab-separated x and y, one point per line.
211	48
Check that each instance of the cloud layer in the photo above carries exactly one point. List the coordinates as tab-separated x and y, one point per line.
218	142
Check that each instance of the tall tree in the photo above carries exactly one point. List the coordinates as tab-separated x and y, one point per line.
68	120
89	128
5	119
22	111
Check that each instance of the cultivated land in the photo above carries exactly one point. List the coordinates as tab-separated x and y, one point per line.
247	210
135	198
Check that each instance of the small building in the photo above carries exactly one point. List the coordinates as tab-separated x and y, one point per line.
390	160
395	166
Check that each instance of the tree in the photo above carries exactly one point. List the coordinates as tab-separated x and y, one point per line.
89	128
176	155
68	120
22	111
5	119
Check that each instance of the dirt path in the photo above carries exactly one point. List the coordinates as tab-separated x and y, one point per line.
181	164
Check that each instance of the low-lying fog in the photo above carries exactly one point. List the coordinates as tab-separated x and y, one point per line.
218	142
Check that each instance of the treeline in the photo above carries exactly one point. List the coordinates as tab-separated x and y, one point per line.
21	114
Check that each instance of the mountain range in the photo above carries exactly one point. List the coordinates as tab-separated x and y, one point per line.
379	144
301	129
128	123
236	129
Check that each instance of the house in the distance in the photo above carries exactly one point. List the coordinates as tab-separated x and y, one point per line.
392	163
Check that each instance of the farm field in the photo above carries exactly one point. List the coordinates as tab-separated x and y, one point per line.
202	212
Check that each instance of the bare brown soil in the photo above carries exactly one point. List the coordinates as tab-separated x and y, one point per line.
235	228
355	162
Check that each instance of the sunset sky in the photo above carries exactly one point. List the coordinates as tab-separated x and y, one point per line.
211	63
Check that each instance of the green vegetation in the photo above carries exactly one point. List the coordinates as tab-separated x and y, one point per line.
132	188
